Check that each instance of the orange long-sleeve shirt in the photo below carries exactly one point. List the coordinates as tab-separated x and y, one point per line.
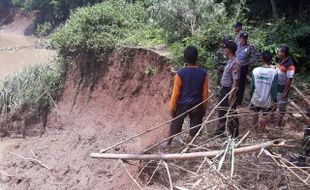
190	87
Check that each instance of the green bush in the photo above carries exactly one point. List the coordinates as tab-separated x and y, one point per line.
102	25
35	87
44	29
185	18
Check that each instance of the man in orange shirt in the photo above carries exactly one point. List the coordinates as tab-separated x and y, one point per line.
190	89
286	72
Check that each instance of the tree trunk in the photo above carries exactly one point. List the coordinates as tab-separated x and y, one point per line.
275	11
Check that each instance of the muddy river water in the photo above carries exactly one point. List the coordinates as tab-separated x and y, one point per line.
17	51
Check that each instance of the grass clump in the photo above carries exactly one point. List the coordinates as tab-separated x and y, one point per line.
35	87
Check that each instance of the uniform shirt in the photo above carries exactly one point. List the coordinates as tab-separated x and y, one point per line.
286	71
190	87
263	88
231	73
237	40
247	55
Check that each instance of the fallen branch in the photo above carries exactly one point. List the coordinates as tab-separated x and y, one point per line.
185	156
294	105
6	174
131	177
30	159
301	95
169	176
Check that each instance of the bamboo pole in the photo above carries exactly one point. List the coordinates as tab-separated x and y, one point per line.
185	156
301	94
154	128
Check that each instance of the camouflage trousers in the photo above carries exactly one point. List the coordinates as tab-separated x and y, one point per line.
304	150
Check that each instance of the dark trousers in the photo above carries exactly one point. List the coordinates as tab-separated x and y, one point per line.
195	117
232	123
242	82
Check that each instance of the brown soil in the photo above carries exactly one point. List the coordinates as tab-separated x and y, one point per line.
124	102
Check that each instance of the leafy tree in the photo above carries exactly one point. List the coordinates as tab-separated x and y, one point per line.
185	18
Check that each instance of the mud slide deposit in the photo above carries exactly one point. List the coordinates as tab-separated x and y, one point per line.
130	97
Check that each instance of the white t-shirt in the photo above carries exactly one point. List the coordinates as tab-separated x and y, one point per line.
264	86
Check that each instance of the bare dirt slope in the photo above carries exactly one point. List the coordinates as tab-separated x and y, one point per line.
125	101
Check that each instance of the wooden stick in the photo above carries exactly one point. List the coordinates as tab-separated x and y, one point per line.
185	156
203	123
132	185
169	176
132	178
301	94
153	174
154	128
294	105
6	174
30	159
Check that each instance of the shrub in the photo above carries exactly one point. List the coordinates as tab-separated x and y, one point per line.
185	18
36	87
43	29
102	25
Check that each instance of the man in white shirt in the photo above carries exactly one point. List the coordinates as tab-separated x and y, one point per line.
263	89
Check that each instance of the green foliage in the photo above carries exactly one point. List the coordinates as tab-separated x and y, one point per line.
102	25
149	72
185	18
43	29
35	87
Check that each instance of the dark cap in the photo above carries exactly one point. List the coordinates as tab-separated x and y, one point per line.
237	24
230	45
244	35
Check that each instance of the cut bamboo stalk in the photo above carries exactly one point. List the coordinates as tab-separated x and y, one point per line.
301	94
186	156
297	108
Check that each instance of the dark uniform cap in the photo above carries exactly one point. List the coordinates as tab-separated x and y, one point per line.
244	35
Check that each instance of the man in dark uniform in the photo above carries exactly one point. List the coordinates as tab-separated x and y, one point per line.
246	55
220	60
229	87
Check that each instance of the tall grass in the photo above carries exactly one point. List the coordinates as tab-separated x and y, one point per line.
34	87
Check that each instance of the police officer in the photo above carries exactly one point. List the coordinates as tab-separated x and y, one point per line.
220	60
246	55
